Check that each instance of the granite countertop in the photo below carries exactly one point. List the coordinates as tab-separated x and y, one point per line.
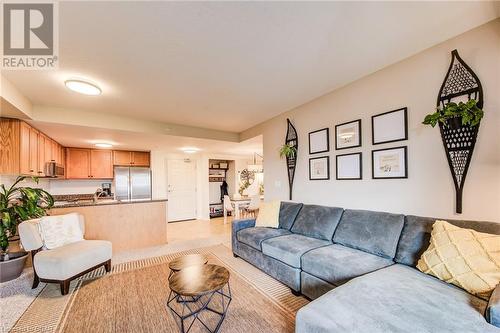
101	202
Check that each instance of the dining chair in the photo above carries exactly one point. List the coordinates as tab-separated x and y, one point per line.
253	207
228	207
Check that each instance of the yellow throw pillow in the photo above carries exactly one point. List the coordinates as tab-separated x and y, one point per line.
269	214
463	257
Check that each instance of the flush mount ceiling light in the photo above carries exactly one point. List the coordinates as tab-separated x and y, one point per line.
190	150
83	87
103	145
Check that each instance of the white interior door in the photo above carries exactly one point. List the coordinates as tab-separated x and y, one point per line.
181	187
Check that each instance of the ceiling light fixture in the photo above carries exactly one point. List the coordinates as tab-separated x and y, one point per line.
83	87
190	150
103	145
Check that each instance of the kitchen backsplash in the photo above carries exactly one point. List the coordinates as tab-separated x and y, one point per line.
60	186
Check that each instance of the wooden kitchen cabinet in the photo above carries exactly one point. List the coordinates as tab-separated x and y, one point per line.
77	163
89	163
24	149
101	163
33	152
122	157
131	158
140	158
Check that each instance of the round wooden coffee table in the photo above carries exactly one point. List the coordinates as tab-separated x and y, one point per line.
186	261
196	289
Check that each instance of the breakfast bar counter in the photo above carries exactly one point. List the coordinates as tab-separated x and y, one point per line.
127	224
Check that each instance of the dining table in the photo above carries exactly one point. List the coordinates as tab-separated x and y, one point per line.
239	203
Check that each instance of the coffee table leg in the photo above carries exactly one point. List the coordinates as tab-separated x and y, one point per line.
189	311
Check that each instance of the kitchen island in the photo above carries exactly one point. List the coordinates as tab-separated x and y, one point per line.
128	224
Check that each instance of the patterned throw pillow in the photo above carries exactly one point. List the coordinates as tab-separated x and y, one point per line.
269	213
59	230
463	257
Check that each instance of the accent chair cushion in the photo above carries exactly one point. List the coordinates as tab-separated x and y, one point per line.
463	257
269	213
417	234
68	260
317	221
288	214
255	236
290	248
394	299
373	232
59	230
337	264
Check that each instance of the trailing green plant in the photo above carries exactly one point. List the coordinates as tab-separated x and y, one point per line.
288	151
19	204
469	114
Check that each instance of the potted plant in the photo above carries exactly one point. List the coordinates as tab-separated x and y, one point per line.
456	115
288	151
18	204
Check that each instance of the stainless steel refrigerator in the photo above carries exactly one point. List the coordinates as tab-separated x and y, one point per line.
132	183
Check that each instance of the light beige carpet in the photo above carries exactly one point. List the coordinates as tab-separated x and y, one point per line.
132	298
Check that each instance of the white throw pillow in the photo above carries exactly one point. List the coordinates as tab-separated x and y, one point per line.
269	214
59	230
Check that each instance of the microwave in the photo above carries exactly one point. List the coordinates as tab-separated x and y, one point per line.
54	170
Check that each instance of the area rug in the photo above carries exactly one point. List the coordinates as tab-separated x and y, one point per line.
132	298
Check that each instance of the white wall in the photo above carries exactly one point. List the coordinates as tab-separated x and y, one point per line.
414	83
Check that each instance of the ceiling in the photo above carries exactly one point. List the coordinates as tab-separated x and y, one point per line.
231	65
84	137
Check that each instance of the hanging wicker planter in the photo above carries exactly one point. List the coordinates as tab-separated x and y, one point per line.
459	140
291	139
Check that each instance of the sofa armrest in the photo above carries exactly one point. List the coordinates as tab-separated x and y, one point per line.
238	225
242	224
493	308
29	235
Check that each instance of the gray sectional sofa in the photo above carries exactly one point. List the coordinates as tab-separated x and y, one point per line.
359	268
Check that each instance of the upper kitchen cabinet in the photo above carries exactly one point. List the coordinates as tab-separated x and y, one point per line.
131	158
101	163
89	163
77	163
24	149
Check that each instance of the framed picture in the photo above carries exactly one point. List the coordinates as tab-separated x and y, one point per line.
348	135
319	168
349	167
390	126
390	163
319	141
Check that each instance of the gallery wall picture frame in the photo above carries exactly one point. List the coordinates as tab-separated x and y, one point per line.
391	126
390	163
319	141
319	168
349	166
348	135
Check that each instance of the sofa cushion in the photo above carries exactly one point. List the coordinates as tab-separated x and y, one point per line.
337	263
317	221
68	260
374	232
255	236
290	248
288	214
416	235
394	299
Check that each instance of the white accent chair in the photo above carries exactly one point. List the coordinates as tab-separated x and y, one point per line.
65	263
